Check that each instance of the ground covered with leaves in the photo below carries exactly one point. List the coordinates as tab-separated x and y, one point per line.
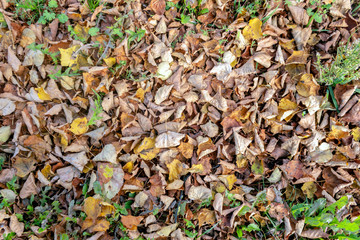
210	119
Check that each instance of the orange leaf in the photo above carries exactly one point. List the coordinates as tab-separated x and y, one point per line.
131	222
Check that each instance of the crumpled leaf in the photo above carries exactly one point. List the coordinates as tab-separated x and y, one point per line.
163	71
158	6
206	216
241	143
16	226
168	139
79	126
253	30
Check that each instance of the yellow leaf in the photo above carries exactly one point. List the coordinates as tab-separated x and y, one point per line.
79	126
146	149
89	166
288	44
67	59
309	188
196	168
101	225
337	132
64	141
81	32
128	167
175	170
140	93
307	86
356	133
106	209
231	179
287	109
42	94
286	104
92	207
253	30
47	172
110	61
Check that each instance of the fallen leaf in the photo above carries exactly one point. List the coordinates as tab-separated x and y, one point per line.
199	193
131	222
253	30
175	170
79	126
309	188
307	86
29	188
168	139
206	216
24	166
5	132
78	160
108	154
16	226
6	106
158	6
92	207
146	149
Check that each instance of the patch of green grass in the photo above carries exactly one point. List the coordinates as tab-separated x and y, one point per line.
37	11
344	69
93	4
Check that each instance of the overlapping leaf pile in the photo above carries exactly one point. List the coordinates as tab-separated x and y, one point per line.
177	119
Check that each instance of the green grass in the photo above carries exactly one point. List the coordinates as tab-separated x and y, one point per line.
344	69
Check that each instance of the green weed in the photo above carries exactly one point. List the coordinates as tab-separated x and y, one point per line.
37	11
317	215
317	11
